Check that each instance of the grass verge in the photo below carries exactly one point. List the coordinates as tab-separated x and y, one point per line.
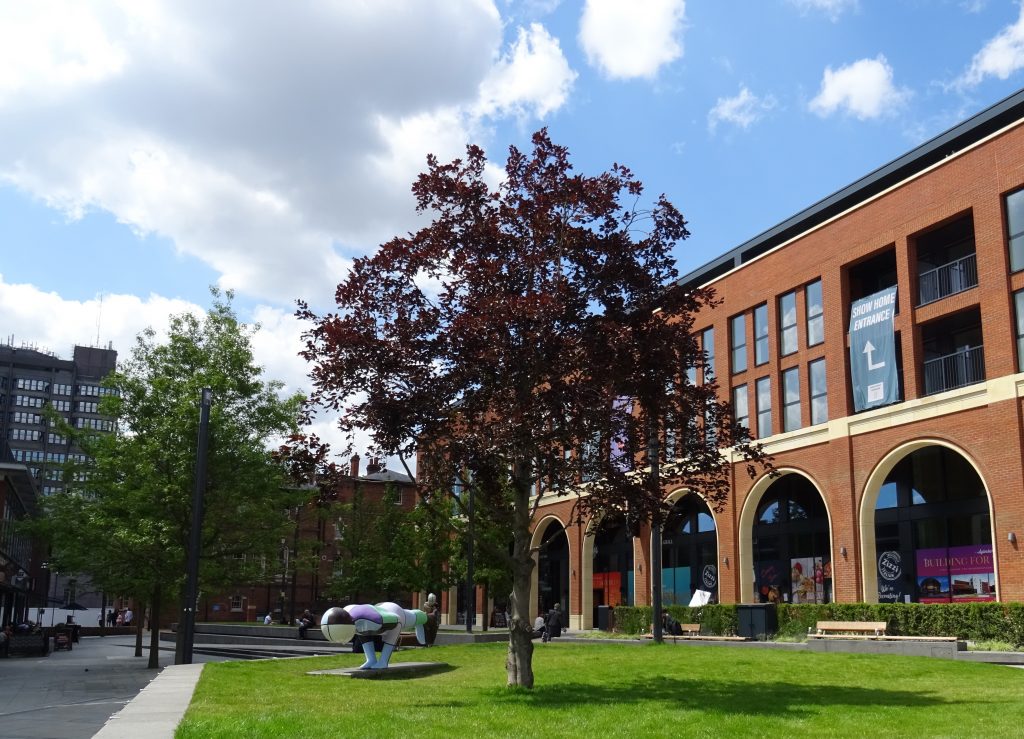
613	690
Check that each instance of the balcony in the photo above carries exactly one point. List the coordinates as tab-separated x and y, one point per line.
963	367
949	279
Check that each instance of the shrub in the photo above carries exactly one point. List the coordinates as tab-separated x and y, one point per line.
973	621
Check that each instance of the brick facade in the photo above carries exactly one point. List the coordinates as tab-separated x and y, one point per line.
847	458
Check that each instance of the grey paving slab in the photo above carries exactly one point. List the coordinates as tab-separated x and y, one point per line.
70	695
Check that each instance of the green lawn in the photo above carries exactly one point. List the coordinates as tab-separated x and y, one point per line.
587	690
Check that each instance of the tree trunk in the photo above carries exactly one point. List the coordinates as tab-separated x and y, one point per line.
520	644
138	629
154	630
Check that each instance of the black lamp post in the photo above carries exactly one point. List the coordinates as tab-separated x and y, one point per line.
470	590
188	611
653	451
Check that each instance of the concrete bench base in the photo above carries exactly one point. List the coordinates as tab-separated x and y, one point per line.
912	647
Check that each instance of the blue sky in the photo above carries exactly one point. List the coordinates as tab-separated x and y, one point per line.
151	149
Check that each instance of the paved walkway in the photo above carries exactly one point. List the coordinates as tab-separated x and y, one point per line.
71	695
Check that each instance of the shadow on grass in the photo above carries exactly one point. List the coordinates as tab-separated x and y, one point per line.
390	674
763	699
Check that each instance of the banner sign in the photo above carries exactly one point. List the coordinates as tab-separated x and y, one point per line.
873	350
959	574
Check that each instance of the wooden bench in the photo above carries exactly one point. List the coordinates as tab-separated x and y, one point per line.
691	632
847	629
875	630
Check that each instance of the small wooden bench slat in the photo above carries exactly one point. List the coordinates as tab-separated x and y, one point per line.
870	628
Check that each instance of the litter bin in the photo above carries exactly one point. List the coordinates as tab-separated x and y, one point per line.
605	618
757	621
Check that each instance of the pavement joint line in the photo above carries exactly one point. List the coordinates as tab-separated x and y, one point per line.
73	704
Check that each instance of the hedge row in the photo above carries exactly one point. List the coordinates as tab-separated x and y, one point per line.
974	621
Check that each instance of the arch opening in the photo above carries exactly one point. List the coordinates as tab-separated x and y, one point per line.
689	552
553	569
932	531
612	582
791	544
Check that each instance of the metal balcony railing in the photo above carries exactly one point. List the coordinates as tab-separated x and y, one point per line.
948	279
964	367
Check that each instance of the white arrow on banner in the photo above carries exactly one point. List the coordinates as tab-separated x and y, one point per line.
868	349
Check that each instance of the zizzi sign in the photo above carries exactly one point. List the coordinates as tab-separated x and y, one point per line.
890	566
890	578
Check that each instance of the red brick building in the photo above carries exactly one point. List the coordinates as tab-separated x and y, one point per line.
918	497
288	589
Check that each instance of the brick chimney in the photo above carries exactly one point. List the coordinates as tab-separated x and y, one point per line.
373	466
353	466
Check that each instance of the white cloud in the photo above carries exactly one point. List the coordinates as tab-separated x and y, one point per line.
55	324
48	322
832	8
273	144
1000	57
863	89
533	79
49	48
635	39
742	110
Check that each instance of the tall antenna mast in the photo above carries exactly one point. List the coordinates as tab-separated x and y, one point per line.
99	320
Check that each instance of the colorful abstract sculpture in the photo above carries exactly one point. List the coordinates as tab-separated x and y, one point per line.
387	620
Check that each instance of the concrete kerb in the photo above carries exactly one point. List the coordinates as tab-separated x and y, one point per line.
158	709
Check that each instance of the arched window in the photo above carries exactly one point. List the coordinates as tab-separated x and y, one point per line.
613	565
553	569
792	559
933	531
689	553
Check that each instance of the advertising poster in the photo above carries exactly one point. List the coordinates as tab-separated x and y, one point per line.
933	575
807	580
972	574
890	577
770	576
960	574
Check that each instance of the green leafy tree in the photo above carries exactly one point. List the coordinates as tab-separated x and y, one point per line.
125	516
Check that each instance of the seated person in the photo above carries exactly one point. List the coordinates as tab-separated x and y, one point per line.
305	622
539	627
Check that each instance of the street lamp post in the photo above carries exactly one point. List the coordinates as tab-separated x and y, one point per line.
470	590
653	451
195	535
54	575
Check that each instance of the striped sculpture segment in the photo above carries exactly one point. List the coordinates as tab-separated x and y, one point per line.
387	620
